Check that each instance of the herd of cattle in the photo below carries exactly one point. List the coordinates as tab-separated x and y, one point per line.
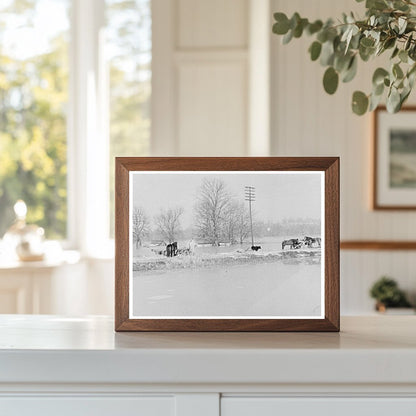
172	250
295	243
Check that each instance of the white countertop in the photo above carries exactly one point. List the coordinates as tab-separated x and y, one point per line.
52	349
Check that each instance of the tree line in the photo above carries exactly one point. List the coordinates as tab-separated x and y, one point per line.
218	217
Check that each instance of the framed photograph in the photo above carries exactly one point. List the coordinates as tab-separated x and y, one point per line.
395	159
227	244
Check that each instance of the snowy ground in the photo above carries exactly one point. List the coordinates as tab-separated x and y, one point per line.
234	282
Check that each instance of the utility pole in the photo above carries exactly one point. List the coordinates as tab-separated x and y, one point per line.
250	196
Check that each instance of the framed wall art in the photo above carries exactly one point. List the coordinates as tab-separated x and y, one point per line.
227	244
394	178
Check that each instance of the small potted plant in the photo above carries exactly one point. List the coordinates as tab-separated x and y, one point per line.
387	294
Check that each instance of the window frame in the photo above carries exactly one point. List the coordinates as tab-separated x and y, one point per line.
88	133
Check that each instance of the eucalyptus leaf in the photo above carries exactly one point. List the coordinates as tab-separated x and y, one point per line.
393	101
388	24
376	4
288	37
397	71
330	80
359	103
281	27
378	89
403	56
350	73
389	43
367	42
315	50
402	22
327	54
314	27
374	102
404	96
341	62
395	52
379	75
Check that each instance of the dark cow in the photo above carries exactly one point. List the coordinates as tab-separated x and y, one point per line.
309	241
292	243
172	249
255	248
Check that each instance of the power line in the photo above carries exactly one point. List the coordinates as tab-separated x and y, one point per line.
250	196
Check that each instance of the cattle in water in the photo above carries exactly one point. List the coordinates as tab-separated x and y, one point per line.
172	249
255	248
309	241
292	243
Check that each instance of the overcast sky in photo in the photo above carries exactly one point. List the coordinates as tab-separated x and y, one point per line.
279	196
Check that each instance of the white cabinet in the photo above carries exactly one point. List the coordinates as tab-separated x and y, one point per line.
65	366
87	406
268	406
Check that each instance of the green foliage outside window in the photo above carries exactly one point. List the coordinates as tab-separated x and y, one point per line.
33	99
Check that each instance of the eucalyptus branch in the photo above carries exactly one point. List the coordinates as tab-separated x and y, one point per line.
389	25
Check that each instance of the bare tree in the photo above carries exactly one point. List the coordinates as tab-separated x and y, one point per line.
211	209
168	223
242	222
231	222
141	225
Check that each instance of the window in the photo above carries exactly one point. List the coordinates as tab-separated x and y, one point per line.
129	43
33	103
75	88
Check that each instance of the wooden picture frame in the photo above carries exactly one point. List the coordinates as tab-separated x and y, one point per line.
394	184
131	179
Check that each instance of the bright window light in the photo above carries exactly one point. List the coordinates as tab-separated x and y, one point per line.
33	102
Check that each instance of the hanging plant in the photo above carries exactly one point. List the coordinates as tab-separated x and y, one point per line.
389	27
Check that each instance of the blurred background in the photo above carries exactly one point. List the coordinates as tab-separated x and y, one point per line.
83	81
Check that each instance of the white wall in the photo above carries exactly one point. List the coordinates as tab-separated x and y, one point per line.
308	122
202	81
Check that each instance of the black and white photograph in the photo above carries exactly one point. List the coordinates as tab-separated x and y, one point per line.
226	244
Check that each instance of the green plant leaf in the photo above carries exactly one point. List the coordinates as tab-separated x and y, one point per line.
314	27
397	71
378	89
367	42
379	75
403	56
393	101
315	50
395	52
376	4
288	37
341	61
359	103
330	80
389	43
374	102
327	53
281	27
298	30
351	71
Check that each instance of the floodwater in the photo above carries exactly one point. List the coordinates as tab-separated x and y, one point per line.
273	288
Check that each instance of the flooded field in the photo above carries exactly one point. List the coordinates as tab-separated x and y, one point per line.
268	288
